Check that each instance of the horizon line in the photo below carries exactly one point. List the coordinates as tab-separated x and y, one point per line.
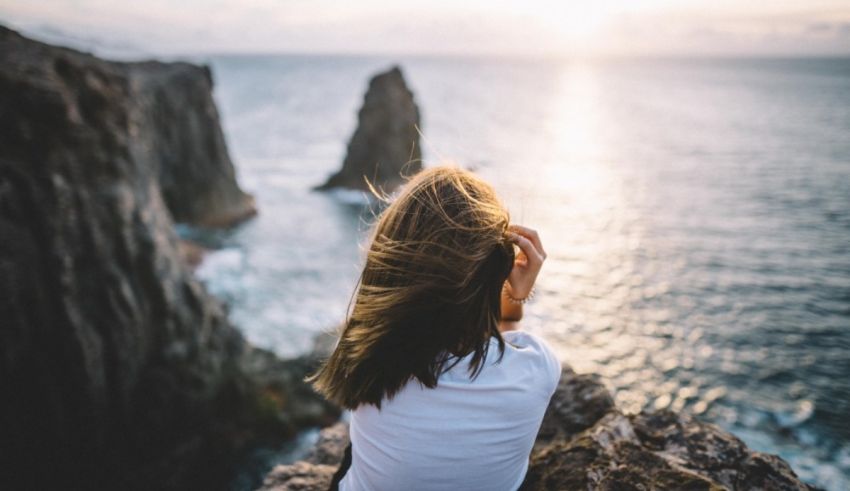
107	50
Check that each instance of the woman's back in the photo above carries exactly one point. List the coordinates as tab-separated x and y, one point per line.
465	433
446	272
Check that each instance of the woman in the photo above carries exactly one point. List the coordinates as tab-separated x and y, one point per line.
445	393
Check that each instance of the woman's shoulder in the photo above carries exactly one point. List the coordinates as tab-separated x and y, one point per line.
528	361
527	341
524	338
531	347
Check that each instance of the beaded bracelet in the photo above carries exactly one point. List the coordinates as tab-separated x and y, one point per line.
517	301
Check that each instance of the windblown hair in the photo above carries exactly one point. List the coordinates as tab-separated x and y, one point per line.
429	293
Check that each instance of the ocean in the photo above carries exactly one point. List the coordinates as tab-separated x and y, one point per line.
696	214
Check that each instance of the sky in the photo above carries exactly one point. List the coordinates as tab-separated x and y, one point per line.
473	27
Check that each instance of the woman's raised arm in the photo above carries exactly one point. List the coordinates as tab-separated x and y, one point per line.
520	284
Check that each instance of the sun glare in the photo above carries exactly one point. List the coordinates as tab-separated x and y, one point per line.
578	22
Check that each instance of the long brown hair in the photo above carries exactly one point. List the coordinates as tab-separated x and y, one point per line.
429	293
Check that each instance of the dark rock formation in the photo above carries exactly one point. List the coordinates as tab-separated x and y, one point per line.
385	146
179	134
117	370
586	443
579	401
656	451
175	129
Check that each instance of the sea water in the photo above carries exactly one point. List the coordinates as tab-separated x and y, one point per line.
696	214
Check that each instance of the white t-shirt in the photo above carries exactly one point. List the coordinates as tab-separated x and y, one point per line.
462	434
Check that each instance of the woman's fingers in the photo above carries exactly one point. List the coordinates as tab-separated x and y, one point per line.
528	262
527	247
531	235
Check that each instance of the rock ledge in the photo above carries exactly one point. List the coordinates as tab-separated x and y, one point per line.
586	443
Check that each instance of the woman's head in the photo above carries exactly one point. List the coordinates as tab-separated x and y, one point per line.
429	292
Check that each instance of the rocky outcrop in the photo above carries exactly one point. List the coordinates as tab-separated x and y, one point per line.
586	443
179	135
579	401
385	145
316	471
175	128
117	370
660	450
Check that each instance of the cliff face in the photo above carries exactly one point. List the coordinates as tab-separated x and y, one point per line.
117	370
385	145
179	135
586	443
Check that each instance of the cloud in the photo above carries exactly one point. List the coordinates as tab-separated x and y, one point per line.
819	27
837	29
166	28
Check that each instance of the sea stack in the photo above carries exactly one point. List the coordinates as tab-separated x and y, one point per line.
117	369
385	146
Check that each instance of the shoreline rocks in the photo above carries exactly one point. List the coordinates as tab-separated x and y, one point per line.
385	146
117	369
586	443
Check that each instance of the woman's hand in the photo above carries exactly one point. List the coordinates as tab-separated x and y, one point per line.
527	263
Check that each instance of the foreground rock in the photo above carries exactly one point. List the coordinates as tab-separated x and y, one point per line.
316	471
656	451
586	443
385	146
117	370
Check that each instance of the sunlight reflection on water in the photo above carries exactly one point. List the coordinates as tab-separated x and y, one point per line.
695	215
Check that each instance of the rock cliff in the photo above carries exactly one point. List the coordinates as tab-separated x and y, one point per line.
585	443
385	145
179	135
117	369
